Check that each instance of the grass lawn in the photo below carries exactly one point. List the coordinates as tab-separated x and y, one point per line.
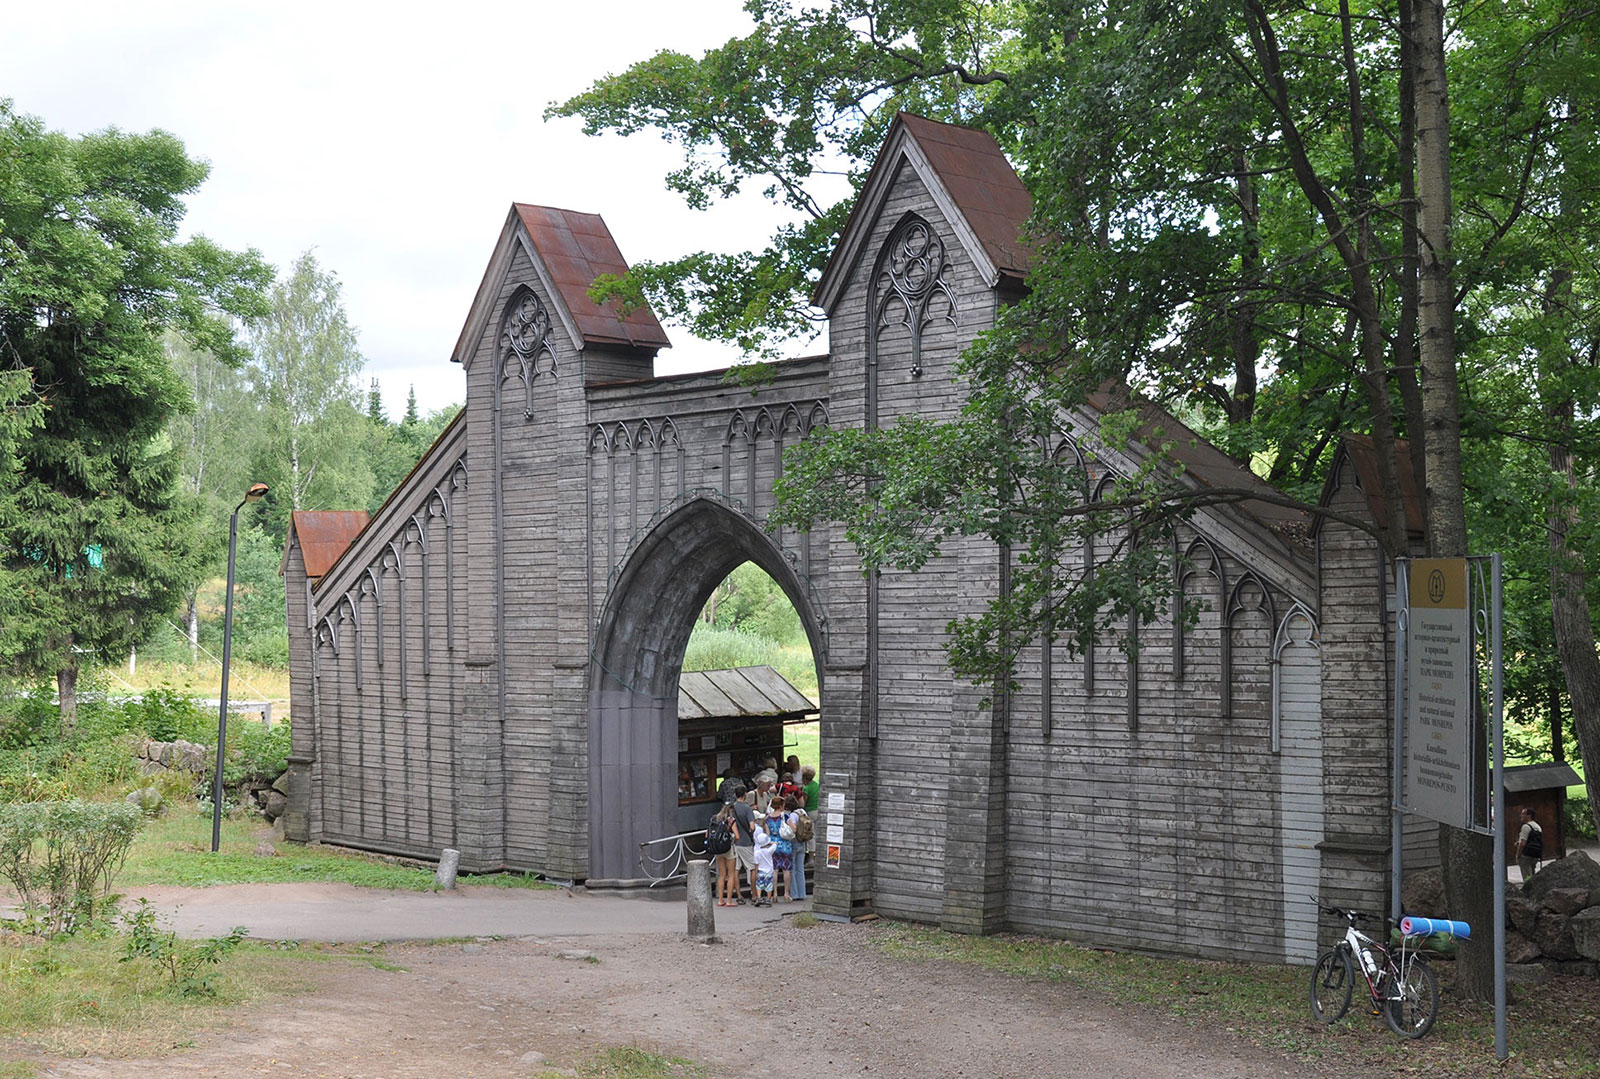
176	850
1550	1028
76	997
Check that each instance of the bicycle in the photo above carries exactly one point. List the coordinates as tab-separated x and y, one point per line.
1399	982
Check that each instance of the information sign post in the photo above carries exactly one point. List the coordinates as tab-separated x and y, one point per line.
1449	618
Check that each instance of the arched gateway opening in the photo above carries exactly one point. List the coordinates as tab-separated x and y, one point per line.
648	613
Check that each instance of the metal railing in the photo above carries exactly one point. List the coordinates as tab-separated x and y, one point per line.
666	859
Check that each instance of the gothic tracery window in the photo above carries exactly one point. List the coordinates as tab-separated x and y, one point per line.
525	343
911	290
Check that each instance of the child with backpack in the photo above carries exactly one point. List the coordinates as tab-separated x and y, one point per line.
720	838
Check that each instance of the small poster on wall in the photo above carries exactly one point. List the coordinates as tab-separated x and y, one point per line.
683	745
833	855
724	762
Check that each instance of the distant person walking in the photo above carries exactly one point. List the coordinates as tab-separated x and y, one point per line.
1530	846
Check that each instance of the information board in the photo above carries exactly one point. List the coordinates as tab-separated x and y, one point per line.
1439	688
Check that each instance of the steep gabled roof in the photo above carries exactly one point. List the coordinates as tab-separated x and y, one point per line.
1363	455
569	250
324	536
971	180
1206	466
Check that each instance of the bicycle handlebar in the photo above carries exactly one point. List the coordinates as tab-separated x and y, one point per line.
1348	914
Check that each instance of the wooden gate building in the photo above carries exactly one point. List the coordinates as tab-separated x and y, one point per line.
491	662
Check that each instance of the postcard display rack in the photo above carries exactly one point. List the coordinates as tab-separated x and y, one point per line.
705	751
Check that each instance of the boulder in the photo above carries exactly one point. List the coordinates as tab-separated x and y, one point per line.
281	784
1572	968
1566	900
276	804
1585	928
1519	949
1576	870
147	799
191	757
1526	973
1422	892
1521	913
1553	934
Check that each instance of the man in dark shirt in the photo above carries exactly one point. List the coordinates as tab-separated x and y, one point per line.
744	836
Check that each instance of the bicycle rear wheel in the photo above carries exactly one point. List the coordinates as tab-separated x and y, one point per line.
1331	984
1413	1002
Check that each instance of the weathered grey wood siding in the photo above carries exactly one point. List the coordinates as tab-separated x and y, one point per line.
1357	705
385	630
499	675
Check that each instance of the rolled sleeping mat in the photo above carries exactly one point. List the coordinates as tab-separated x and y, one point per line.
1421	927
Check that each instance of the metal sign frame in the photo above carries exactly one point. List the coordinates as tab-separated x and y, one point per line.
1486	807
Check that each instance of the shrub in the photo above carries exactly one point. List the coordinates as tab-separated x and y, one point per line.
1580	822
61	856
184	963
256	754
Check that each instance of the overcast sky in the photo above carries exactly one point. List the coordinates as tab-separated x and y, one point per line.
392	139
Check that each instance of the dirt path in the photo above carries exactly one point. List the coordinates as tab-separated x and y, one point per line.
820	1001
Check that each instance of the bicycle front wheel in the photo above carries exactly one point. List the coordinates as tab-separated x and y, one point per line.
1413	1002
1331	985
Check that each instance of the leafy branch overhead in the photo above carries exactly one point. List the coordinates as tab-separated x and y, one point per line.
787	110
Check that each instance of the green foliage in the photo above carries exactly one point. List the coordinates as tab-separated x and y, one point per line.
750	601
186	964
61	856
304	362
96	538
1580	821
712	649
808	93
256	754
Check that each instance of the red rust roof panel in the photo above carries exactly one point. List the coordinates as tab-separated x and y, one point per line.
983	185
1364	456
325	535
576	249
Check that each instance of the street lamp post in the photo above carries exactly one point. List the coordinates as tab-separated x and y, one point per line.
252	495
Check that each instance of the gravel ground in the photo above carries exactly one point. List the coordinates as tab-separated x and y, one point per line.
776	1001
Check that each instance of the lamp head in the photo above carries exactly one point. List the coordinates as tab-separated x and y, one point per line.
256	492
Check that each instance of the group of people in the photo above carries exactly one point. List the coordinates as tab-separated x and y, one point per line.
771	832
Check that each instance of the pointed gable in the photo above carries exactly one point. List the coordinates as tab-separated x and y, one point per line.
971	181
569	251
324	536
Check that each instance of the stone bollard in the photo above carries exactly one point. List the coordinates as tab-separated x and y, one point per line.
702	920
445	875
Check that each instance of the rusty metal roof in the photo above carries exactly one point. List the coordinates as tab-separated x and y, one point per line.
1364	458
982	187
577	248
324	536
986	189
739	691
1206	464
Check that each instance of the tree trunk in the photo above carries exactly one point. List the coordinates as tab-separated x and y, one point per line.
191	625
1569	608
1467	858
67	691
1558	744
